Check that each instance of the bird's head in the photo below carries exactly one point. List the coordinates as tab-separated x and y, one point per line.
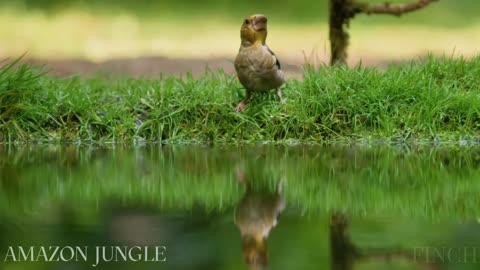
254	30
255	251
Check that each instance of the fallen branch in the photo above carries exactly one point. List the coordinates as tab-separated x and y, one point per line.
391	9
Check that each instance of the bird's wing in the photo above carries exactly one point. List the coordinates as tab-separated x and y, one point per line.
277	62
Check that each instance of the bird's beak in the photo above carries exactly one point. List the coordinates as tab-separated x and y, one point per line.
260	23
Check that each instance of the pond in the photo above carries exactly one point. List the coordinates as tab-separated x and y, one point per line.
239	207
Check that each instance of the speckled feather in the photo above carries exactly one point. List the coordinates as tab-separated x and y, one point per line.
258	69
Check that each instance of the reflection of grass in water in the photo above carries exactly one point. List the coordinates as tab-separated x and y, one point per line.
318	180
423	183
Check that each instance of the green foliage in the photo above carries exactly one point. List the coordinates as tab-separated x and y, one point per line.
428	100
444	13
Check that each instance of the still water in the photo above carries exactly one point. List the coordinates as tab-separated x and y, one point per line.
250	207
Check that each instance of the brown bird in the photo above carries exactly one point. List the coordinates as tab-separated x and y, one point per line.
257	67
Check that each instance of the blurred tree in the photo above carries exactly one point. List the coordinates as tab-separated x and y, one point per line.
345	254
342	11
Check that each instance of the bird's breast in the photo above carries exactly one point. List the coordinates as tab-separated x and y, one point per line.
256	69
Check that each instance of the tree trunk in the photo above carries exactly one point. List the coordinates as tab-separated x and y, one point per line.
340	16
342	252
342	11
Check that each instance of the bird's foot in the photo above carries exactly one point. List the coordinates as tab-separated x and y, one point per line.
240	175
279	94
240	107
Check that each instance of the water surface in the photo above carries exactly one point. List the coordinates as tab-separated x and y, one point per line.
250	207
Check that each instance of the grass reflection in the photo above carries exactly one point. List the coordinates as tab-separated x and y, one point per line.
424	182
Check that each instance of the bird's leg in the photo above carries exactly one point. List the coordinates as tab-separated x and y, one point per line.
240	175
279	94
244	102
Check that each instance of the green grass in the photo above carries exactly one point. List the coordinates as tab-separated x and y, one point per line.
433	100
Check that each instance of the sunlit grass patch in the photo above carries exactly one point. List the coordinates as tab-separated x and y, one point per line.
434	100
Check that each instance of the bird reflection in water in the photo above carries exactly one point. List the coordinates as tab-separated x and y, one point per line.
256	214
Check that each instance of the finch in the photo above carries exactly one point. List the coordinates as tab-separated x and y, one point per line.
257	67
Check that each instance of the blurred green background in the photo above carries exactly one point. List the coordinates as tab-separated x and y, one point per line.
298	30
446	13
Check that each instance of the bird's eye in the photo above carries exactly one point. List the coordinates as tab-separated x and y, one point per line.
247	21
